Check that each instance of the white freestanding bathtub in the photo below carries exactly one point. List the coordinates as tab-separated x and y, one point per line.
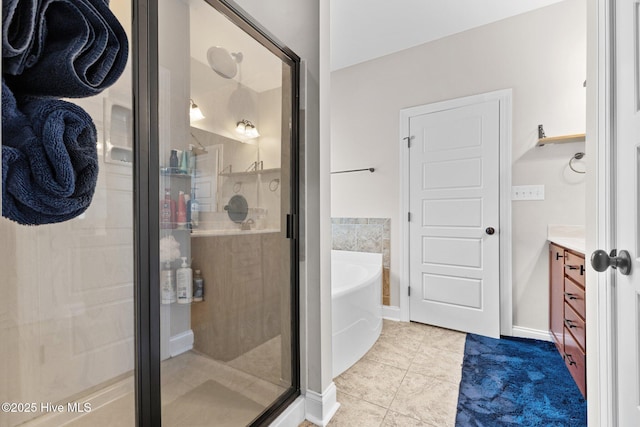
356	294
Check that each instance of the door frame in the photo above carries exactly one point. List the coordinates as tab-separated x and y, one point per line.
602	398
504	97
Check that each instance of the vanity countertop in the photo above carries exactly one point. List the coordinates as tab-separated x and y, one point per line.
570	236
231	232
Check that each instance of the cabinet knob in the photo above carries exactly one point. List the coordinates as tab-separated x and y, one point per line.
558	256
490	230
569	324
569	295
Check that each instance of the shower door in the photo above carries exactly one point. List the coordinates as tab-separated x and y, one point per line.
226	186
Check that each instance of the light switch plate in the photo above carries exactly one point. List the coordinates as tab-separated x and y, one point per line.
527	192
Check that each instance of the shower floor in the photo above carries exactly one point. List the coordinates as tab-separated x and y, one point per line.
195	390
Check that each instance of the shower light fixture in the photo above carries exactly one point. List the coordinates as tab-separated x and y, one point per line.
194	112
246	128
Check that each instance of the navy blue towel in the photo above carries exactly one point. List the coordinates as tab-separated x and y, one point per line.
18	27
61	48
49	159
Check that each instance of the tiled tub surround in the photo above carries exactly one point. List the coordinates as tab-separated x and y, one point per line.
366	235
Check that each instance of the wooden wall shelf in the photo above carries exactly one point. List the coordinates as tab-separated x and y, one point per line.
543	140
560	139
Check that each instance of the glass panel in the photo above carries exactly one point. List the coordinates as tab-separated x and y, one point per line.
225	186
66	311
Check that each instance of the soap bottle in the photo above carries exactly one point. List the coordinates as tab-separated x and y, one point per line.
195	210
167	285
185	285
198	287
174	162
187	199
182	211
184	161
167	211
192	164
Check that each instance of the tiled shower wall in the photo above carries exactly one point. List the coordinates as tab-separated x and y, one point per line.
365	235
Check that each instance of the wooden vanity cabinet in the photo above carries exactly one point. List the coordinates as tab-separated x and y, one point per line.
567	309
556	295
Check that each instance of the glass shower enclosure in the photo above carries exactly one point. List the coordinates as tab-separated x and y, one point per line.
173	300
227	179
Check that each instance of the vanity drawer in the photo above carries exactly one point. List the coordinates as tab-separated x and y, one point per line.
574	296
576	326
576	361
574	267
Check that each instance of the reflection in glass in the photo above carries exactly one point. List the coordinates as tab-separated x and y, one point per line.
66	311
227	357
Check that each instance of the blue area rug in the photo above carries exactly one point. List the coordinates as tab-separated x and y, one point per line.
517	382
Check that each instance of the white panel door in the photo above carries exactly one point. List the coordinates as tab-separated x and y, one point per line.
627	223
454	204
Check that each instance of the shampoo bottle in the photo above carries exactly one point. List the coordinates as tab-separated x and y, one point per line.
184	161
195	210
182	211
174	162
187	199
167	285
198	287
167	211
185	285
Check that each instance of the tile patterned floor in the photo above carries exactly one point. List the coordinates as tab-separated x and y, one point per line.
410	377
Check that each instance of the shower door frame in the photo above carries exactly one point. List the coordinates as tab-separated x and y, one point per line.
146	175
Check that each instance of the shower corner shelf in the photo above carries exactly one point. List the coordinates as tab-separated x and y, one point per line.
258	172
174	173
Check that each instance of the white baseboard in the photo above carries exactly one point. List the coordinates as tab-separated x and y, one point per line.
292	416
391	312
181	343
537	334
320	408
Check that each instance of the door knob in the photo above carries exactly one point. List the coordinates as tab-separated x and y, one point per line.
600	261
490	230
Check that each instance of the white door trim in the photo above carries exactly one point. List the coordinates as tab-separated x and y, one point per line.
504	97
601	372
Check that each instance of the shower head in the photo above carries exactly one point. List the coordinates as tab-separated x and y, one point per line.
225	64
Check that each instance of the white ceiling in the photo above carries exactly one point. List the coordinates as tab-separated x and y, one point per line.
366	29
